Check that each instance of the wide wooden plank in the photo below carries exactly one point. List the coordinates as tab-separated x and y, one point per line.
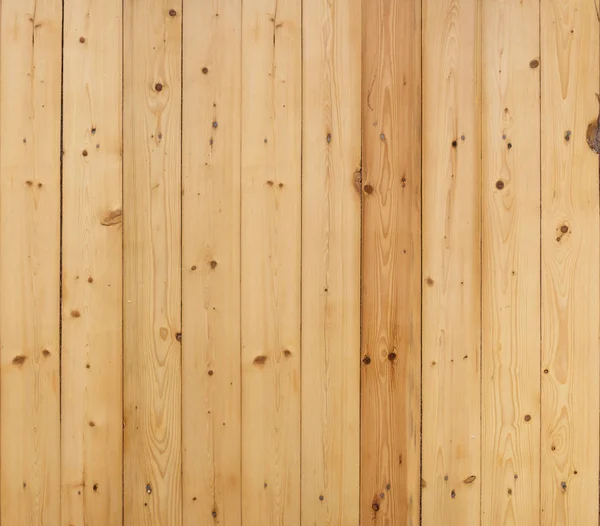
570	262
451	263
30	101
510	370
211	263
331	222
391	254
270	254
152	262
91	390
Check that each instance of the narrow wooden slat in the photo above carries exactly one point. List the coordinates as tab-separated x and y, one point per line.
451	263
270	253
391	253
30	62
511	263
331	219
211	263
152	262
92	422
570	262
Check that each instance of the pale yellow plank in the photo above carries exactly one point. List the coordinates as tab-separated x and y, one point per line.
152	262
331	220
92	422
270	254
30	106
391	254
211	264
570	262
451	263
511	263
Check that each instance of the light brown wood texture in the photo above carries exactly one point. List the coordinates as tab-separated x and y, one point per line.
451	278
331	222
211	263
299	263
510	404
91	389
570	262
30	108
152	262
391	267
271	121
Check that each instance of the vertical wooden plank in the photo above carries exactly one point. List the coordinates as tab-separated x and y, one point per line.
570	262
270	251
331	219
152	262
391	273
511	263
451	263
30	99
211	263
92	422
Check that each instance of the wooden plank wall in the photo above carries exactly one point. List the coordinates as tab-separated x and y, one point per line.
299	262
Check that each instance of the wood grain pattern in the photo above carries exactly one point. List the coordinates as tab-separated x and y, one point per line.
270	245
152	262
331	222
30	102
570	262
211	263
91	367
511	263
451	263
391	273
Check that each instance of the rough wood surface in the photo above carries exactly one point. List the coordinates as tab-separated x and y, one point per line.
570	262
152	262
451	264
299	263
391	270
270	253
91	367
211	263
30	103
331	219
511	264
